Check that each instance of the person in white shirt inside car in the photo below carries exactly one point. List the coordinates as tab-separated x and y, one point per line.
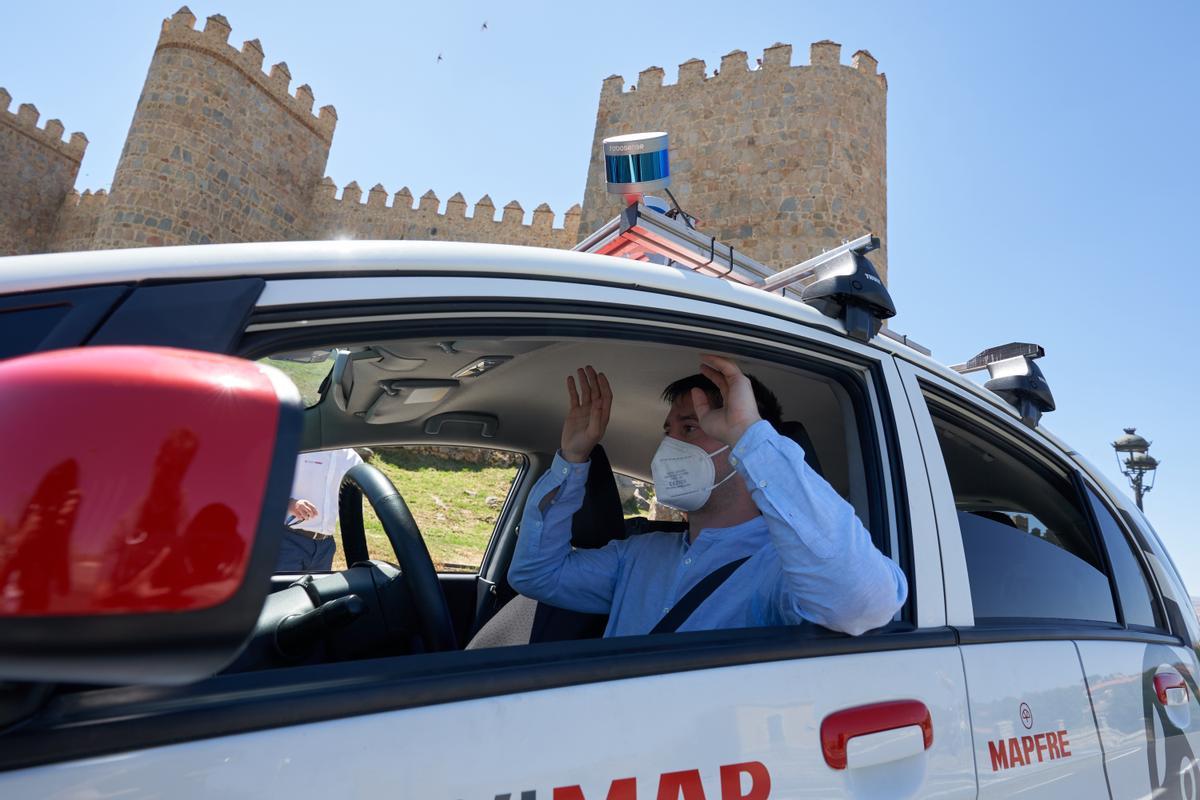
790	548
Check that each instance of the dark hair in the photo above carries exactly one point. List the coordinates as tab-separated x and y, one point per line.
768	404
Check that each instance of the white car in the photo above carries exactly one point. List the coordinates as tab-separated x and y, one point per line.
1047	647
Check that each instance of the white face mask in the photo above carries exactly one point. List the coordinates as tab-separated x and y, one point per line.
684	474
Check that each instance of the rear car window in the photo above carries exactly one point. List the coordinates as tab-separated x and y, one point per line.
1029	547
1137	600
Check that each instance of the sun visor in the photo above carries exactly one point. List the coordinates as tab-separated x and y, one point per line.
404	400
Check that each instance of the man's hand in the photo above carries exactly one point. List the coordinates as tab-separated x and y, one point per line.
302	510
739	411
587	416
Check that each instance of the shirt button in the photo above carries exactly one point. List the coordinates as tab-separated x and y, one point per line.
666	609
687	561
762	484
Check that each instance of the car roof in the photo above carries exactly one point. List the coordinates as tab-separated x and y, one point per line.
271	260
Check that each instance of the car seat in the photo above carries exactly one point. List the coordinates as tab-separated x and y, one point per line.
598	521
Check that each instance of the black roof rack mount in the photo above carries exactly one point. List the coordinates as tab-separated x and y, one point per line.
1015	377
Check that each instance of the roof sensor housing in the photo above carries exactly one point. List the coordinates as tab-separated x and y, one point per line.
636	163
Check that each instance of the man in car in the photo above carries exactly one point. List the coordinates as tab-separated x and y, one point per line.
750	497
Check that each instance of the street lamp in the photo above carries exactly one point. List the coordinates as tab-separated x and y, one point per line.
1138	465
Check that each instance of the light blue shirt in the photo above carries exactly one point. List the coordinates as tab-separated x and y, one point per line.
810	556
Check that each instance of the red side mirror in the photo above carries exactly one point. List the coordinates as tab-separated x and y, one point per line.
141	494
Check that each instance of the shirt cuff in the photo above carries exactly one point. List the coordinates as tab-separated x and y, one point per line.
754	436
563	468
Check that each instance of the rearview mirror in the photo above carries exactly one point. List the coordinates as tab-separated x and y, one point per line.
142	493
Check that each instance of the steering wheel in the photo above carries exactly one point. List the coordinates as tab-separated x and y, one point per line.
420	576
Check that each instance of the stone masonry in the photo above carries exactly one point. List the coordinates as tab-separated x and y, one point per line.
218	150
781	161
37	170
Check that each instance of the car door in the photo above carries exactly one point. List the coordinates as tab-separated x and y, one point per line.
709	714
285	301
1143	679
1025	579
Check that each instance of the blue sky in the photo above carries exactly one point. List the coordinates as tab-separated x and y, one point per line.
1042	157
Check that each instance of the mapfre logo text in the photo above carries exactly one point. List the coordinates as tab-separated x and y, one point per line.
1020	751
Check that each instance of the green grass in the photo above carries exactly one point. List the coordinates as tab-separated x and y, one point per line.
307	377
449	500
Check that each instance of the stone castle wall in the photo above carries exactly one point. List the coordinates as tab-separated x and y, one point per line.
37	173
348	217
218	150
781	161
78	219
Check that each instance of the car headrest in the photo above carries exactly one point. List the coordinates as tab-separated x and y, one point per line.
600	519
798	434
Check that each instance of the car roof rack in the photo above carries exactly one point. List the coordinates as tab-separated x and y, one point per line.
1014	376
840	283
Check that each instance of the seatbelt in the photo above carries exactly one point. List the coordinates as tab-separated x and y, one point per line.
697	595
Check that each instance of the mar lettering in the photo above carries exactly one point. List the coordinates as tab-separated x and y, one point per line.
746	781
1021	751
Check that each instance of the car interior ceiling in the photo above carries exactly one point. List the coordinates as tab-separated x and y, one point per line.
987	479
404	392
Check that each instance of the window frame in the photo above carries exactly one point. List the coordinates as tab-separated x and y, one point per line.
834	358
1006	435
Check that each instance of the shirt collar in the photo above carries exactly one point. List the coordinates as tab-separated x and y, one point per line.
712	535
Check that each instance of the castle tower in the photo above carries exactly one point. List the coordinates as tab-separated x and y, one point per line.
218	150
37	174
780	161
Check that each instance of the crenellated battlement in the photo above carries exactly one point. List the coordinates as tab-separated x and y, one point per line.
429	207
75	228
777	159
735	66
179	32
25	121
86	199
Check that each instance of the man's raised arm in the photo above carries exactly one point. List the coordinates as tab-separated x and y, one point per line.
831	571
545	566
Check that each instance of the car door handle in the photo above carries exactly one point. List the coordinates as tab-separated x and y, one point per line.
877	733
1170	688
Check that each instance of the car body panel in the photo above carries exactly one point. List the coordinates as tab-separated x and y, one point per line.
588	735
1149	749
1021	693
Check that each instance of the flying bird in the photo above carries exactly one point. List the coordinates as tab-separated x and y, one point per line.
439	58
483	27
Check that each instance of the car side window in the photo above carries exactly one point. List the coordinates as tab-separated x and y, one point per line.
1137	600
454	493
1030	551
